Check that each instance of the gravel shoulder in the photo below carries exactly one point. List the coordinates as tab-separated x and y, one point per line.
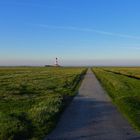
92	116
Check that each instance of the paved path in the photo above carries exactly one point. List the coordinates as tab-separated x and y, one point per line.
91	116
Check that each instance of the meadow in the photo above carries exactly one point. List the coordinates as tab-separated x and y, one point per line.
123	86
133	72
32	98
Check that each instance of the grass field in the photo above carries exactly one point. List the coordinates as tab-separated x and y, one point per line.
31	99
124	90
133	72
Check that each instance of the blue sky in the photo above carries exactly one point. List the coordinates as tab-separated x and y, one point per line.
78	32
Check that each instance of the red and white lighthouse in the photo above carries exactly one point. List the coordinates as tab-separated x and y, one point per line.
56	62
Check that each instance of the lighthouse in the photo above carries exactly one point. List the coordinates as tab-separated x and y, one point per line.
56	62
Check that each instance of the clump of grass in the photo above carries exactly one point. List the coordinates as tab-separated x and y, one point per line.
12	127
131	109
44	112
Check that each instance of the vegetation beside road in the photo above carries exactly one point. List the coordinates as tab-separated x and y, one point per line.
133	72
124	91
31	99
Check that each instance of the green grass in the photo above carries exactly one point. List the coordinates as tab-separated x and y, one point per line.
31	99
133	72
124	91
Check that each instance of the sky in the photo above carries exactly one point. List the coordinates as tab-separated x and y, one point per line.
78	32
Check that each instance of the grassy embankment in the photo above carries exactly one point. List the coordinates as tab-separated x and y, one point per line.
31	99
124	91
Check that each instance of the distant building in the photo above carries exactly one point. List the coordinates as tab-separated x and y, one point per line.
48	65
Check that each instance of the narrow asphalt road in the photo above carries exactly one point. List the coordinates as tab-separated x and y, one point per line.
91	116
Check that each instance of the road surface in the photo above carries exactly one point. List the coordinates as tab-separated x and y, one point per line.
92	116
